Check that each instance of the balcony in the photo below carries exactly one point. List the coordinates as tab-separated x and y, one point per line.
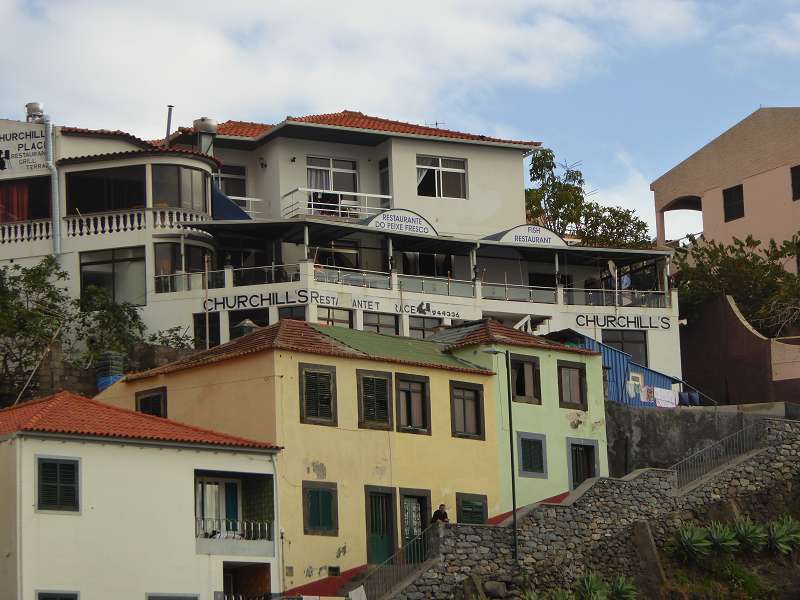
25	231
620	298
234	537
355	277
248	205
341	205
137	219
442	286
519	293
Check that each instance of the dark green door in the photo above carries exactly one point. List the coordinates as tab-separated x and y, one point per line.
380	527
582	464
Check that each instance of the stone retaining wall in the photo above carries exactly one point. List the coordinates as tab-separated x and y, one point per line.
592	529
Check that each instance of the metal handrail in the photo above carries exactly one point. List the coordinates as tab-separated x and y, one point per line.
702	462
462	288
548	294
233	529
621	298
349	276
183	282
266	274
361	204
383	577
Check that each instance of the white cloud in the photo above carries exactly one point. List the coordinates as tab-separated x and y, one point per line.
749	41
633	192
103	64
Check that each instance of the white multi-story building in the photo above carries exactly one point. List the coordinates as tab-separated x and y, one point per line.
339	218
101	502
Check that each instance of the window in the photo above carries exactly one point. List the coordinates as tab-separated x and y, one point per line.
471	508
374	399
526	379
441	177
241	322
58	484
152	402
218	504
102	190
466	409
733	202
572	385
422	263
531	455
57	596
383	177
795	175
24	199
298	313
233	181
169	260
630	341
180	187
120	272
339	317
413	403
317	394
331	174
381	323
320	510
199	322
422	327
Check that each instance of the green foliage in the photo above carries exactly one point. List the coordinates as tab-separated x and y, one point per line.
621	588
742	579
723	538
557	201
783	535
560	595
752	536
753	273
690	544
531	594
591	587
174	337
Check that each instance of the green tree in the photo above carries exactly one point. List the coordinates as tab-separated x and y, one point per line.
557	201
753	273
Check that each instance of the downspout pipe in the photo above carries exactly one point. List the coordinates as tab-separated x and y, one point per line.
55	202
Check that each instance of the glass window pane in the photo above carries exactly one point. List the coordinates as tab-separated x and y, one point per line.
454	163
344	182
427	161
168	258
234	187
233	170
454	185
129	282
186	188
198	190
426	182
166	186
313	161
319	179
344	164
100	276
99	256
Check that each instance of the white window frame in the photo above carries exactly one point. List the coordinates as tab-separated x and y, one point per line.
331	170
438	171
204	479
222	176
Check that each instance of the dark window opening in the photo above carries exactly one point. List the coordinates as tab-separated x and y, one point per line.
733	202
338	317
526	380
795	174
413	404
583	462
24	199
385	323
296	313
103	190
59	483
199	321
242	322
630	341
423	327
180	187
120	272
152	402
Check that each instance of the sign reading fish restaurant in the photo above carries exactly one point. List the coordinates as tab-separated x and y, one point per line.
22	150
531	235
402	221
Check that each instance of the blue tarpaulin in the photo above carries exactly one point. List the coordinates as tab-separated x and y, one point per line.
225	209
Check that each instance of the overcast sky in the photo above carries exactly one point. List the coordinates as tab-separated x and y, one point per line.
626	88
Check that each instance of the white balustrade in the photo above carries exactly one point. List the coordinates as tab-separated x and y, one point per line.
25	231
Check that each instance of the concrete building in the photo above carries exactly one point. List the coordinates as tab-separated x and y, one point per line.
339	218
378	430
745	182
101	502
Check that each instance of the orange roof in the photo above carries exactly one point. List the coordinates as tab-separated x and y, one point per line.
243	129
488	331
70	414
108	133
292	336
151	150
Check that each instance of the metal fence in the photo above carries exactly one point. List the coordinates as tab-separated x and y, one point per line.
382	578
699	464
232	529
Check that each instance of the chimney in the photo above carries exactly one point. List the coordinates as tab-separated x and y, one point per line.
206	132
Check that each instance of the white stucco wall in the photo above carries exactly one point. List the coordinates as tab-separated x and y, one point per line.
134	533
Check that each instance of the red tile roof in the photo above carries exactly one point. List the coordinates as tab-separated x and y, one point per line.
358	120
292	336
71	414
488	331
243	129
151	150
108	133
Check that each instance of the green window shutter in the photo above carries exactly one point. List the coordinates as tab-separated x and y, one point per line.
320	510
375	399
532	457
58	484
318	396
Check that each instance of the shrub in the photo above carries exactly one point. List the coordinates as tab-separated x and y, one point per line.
793	529
723	538
591	587
560	595
690	544
783	535
621	588
531	594
751	536
741	578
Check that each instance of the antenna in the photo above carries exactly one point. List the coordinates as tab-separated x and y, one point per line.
436	124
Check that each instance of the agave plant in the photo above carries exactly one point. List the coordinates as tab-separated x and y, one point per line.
783	535
751	536
723	538
560	595
621	588
690	544
591	587
792	526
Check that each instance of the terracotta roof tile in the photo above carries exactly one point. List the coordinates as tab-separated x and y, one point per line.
149	151
243	129
488	331
71	414
108	133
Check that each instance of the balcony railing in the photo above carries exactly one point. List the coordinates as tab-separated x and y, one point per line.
518	293
436	285
184	282
631	298
266	274
348	205
136	219
25	231
233	529
356	277
248	205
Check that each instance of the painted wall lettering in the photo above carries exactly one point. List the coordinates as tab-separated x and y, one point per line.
241	301
623	321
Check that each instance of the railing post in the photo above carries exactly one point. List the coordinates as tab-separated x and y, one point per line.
228	276
477	289
560	300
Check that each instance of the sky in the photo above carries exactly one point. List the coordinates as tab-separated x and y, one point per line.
625	88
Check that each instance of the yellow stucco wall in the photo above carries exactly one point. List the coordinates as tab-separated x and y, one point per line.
228	397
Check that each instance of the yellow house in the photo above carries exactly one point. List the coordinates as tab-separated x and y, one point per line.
377	431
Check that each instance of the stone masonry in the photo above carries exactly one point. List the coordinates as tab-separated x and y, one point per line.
592	529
